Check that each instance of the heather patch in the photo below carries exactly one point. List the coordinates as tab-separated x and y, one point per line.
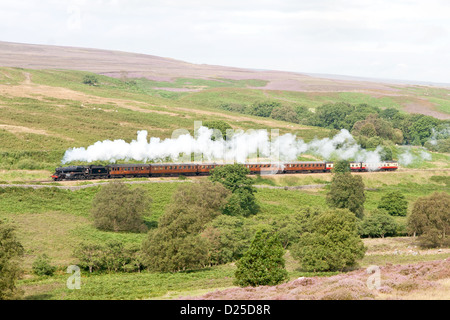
397	282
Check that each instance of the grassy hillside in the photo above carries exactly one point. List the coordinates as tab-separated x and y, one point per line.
45	112
54	221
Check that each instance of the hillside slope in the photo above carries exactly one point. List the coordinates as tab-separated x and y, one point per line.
429	100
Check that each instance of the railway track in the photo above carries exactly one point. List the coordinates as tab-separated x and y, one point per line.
82	184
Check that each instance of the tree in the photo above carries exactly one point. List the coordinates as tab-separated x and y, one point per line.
263	109
234	177
262	263
42	267
377	224
11	251
430	220
341	166
386	154
331	242
303	114
333	116
368	130
284	113
227	238
220	125
288	227
117	207
394	203
90	255
177	243
347	192
90	80
192	207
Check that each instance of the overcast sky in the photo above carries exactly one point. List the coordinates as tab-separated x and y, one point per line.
390	39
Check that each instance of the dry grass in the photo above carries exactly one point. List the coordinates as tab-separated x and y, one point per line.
49	233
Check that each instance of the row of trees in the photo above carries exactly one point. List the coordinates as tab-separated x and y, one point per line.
372	126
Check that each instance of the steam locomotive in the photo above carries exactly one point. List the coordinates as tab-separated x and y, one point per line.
90	172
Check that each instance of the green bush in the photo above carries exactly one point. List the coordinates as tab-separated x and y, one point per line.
347	192
331	242
42	267
117	207
263	263
378	224
11	251
112	256
394	203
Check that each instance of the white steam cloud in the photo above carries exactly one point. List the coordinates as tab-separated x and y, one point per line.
408	157
240	146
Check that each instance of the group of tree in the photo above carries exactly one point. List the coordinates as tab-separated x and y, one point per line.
347	192
271	109
203	225
111	256
177	244
206	224
371	125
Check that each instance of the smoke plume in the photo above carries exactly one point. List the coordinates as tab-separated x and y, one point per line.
240	146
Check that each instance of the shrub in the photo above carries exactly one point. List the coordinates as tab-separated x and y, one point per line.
262	263
11	251
42	267
90	79
331	242
117	207
378	224
394	203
